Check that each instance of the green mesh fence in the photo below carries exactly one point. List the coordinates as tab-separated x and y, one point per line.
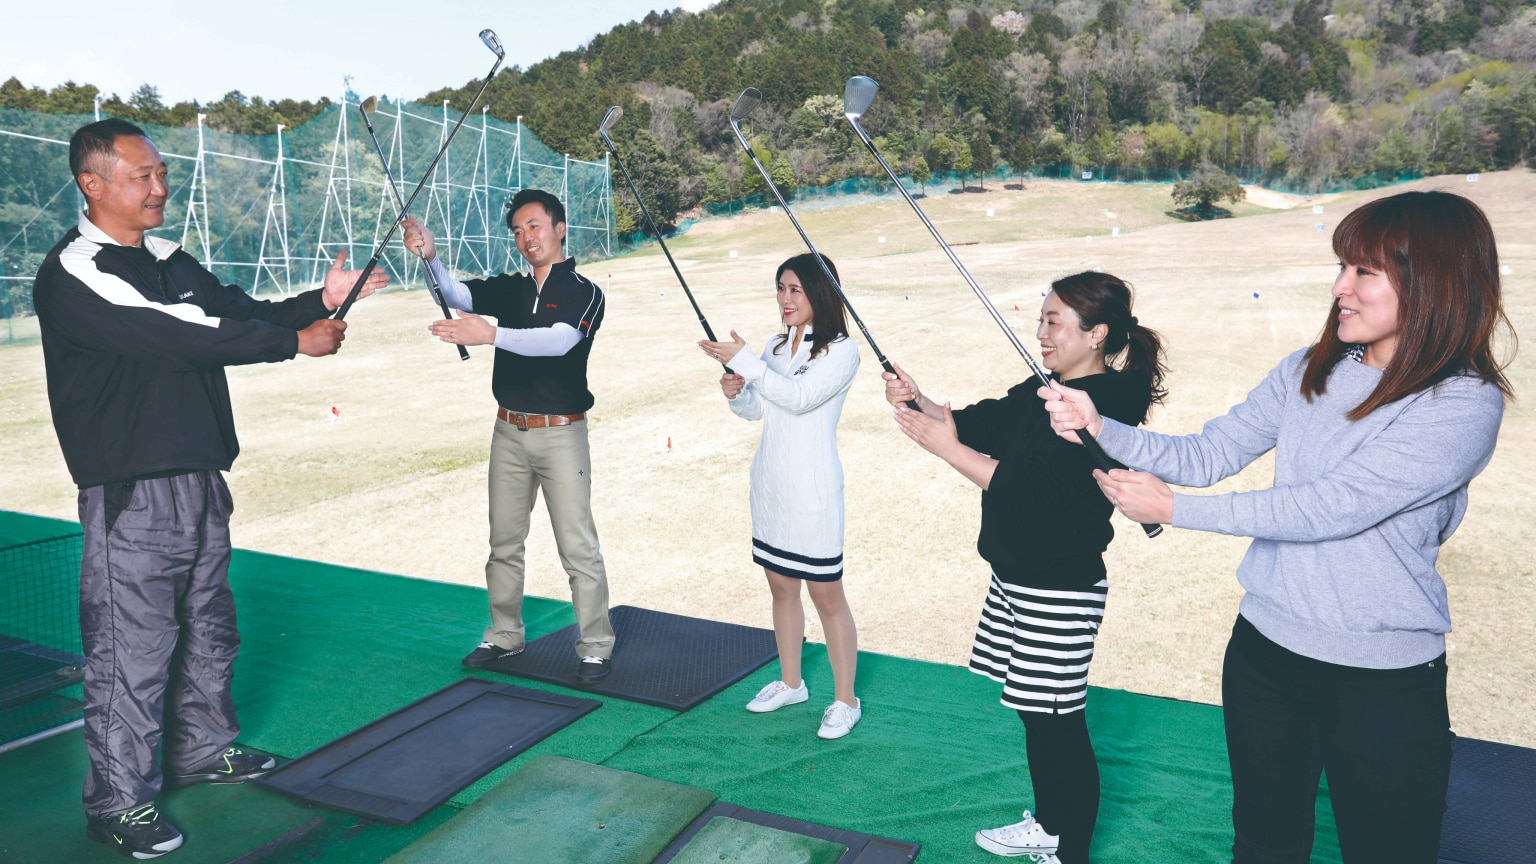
269	212
40	663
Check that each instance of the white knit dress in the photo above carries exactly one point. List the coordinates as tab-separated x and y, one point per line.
797	480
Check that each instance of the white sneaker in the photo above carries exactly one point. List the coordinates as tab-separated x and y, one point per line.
776	696
838	720
1021	838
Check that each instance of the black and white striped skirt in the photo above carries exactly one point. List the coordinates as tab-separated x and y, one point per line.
1038	643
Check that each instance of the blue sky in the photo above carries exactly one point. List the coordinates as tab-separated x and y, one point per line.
292	49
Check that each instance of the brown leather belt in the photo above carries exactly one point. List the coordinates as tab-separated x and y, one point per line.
537	421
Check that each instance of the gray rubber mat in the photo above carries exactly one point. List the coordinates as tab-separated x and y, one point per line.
1490	813
672	661
862	848
402	765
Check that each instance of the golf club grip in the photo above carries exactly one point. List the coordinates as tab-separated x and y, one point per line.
1107	464
357	288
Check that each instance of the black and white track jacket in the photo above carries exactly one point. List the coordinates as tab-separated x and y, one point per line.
135	341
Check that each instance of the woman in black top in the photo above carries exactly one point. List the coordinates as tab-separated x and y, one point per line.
1044	528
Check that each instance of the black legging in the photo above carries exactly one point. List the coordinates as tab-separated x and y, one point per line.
1065	773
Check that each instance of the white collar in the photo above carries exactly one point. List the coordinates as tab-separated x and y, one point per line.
157	246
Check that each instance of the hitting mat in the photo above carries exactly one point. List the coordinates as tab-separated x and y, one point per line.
859	848
1490	814
404	764
735	842
559	811
672	661
28	670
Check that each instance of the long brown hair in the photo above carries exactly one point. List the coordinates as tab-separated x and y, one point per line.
1437	251
1099	298
828	323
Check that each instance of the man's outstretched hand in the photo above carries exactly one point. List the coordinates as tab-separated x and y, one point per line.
338	283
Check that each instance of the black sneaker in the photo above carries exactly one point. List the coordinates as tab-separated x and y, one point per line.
234	766
592	670
140	833
488	653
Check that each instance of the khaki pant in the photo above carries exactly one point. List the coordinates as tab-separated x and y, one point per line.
559	461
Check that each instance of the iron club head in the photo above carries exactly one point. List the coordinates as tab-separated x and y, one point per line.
746	103
857	94
610	120
488	36
370	105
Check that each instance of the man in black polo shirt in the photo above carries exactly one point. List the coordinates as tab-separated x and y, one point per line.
545	321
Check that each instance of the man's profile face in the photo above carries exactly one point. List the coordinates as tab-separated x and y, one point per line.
130	194
537	236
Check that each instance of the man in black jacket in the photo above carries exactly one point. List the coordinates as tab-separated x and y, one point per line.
136	335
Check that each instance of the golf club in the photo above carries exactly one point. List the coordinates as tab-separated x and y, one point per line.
746	103
609	121
491	42
367	107
857	96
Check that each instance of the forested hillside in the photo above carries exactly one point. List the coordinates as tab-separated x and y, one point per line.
1307	93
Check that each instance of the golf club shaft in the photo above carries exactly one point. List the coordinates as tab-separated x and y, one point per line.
1095	451
388	236
646	211
432	287
836	286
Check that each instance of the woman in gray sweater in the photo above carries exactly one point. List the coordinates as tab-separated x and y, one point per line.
1337	660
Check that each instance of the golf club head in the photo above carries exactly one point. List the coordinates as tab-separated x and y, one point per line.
746	103
610	120
857	94
488	36
370	105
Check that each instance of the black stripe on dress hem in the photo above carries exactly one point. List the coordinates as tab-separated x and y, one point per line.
800	559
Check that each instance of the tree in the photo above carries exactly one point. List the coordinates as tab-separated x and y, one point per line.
921	174
963	163
1205	187
983	157
1021	155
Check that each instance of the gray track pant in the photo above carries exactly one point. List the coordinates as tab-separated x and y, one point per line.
156	614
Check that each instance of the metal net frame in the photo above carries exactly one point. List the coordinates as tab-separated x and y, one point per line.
270	212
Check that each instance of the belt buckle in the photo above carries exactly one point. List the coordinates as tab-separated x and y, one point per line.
520	420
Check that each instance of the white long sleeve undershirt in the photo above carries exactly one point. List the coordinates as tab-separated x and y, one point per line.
550	341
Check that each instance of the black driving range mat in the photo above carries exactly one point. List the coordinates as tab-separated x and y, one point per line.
28	670
672	661
862	848
405	763
1490	813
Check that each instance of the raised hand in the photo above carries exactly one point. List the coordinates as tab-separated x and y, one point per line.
723	351
338	282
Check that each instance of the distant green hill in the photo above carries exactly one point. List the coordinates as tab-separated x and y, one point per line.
1305	92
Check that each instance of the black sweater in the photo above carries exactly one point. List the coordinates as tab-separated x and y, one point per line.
135	341
1044	522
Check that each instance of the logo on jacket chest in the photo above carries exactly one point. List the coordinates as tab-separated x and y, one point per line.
185	295
804	368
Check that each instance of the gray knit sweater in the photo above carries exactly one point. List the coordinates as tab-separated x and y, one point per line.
1342	566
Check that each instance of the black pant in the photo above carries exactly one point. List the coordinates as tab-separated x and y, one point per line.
1383	735
1065	774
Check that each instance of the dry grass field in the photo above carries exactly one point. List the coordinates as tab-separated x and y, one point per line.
395	482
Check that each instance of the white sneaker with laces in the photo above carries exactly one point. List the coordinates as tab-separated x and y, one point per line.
776	696
1020	838
838	719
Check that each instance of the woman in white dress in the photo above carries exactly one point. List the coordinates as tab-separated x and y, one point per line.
797	387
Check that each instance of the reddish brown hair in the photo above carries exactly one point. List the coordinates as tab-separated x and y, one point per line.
1437	251
1099	298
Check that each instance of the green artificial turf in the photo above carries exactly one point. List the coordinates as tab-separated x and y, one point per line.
561	811
327	649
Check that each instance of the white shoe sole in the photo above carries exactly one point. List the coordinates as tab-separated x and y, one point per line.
997	848
757	707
